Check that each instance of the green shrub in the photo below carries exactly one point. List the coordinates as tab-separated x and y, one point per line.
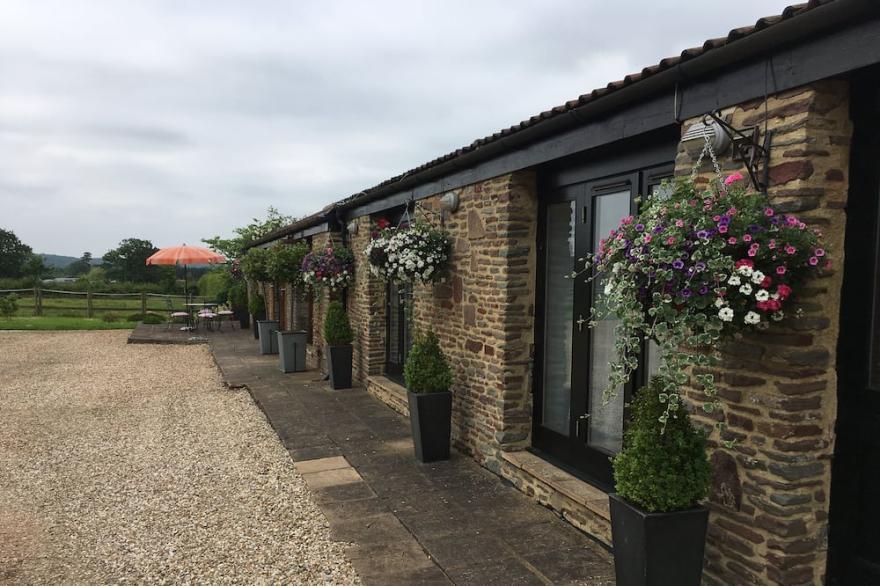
147	318
426	369
237	296
257	306
110	317
337	329
9	305
284	263
255	264
661	470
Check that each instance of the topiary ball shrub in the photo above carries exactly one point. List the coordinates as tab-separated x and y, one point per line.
661	470
337	329
426	369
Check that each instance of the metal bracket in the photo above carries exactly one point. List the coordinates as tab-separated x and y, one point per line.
749	150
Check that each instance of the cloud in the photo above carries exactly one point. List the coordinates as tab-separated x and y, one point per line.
173	121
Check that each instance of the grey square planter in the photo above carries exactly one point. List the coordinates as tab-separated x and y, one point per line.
292	350
268	339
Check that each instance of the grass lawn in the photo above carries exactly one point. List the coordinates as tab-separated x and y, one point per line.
62	323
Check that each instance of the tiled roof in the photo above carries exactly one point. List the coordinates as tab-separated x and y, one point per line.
710	45
664	64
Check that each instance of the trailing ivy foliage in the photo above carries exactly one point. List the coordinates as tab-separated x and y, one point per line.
426	369
661	471
257	306
337	329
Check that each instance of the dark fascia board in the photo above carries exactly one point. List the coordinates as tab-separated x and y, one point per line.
271	239
703	84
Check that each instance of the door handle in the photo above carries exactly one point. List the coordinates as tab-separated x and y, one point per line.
577	423
580	322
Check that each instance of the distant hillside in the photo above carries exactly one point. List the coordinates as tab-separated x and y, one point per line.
59	261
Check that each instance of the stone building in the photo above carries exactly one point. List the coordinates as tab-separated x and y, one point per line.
796	497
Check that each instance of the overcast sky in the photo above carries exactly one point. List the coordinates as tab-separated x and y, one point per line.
176	120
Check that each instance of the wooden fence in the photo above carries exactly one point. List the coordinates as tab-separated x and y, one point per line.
37	301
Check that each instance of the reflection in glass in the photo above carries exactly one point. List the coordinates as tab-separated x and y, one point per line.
558	317
606	420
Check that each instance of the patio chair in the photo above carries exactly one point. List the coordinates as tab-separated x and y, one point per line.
175	315
225	314
208	317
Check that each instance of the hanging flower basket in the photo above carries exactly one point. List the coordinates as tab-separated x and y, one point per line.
331	267
695	266
408	255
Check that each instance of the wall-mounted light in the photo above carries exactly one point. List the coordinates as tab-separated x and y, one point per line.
352	227
708	128
449	202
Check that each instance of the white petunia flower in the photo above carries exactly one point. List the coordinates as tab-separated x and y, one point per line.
777	316
762	295
757	277
746	289
752	318
726	314
720	302
745	270
733	280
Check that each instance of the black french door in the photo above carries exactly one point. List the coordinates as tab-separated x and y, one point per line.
854	536
575	421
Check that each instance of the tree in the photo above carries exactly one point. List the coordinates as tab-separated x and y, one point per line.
13	254
35	269
81	266
128	262
234	247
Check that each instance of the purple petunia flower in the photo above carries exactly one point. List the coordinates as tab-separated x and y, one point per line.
686	292
640	227
678	264
702	234
700	266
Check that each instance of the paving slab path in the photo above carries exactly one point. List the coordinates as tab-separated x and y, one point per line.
407	522
123	463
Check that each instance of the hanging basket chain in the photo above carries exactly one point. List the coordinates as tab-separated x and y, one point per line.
707	148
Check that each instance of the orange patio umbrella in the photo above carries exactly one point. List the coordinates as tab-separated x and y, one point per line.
185	255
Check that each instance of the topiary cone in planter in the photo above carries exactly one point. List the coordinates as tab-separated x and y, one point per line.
658	527
428	379
338	336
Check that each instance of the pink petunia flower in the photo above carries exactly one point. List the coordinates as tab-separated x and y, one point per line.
769	212
780	270
731	179
813	261
722	229
679	223
820	252
789	249
747	237
731	240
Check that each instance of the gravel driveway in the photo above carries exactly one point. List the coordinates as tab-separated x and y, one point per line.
131	463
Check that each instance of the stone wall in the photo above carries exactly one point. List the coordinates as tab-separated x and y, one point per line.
484	312
366	309
770	493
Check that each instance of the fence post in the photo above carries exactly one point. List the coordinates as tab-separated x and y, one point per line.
89	310
143	303
38	301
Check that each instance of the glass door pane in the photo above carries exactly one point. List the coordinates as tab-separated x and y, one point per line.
558	315
606	420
